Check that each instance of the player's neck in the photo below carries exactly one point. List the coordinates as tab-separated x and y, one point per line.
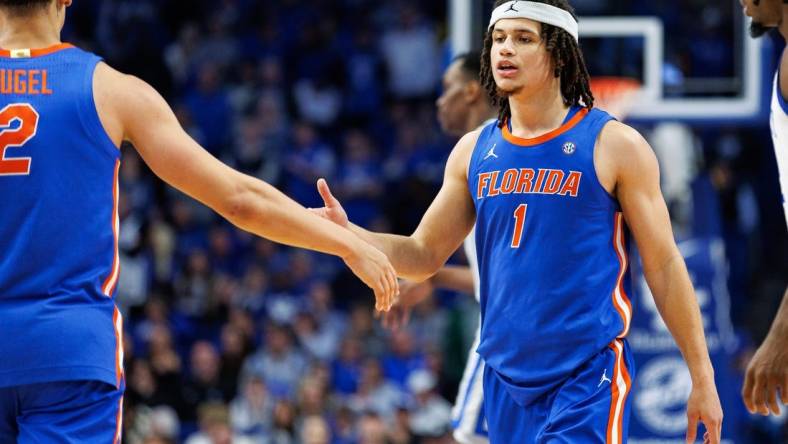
534	115
39	31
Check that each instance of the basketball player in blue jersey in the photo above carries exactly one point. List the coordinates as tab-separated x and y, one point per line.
555	187
63	115
767	372
462	107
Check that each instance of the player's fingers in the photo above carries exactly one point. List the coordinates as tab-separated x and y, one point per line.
394	285
719	431
713	428
325	192
771	396
379	292
784	391
389	292
386	301
759	395
390	285
692	428
748	390
706	439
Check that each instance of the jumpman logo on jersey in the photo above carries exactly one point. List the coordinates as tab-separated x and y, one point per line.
511	7
604	378
491	153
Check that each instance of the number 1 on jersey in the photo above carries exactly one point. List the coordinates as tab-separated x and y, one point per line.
519	221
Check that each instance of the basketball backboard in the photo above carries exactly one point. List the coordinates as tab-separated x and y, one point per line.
695	59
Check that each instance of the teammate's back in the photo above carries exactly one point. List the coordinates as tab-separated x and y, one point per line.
58	225
62	116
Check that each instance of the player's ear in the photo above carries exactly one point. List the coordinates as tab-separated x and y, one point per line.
473	90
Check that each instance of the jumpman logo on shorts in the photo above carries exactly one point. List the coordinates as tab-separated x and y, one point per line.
604	378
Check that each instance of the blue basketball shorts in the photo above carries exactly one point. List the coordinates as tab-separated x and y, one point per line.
61	412
591	406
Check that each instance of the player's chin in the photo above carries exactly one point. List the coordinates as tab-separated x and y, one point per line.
506	87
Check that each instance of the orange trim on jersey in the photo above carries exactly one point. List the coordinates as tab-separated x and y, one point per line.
620	386
544	137
118	422
112	279
620	299
117	325
14	53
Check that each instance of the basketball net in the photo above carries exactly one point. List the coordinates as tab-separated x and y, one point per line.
616	95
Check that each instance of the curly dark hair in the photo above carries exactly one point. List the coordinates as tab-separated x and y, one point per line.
568	65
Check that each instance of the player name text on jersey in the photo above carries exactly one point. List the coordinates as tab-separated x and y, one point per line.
24	81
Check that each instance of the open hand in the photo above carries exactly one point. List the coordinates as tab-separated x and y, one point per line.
375	270
411	293
767	373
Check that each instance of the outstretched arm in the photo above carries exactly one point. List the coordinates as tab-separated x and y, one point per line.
440	232
454	277
132	110
450	277
637	189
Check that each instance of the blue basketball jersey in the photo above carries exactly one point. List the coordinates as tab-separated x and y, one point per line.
58	222
552	258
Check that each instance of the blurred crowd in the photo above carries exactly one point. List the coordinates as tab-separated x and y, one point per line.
230	338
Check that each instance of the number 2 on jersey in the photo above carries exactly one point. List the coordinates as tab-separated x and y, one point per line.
14	138
519	221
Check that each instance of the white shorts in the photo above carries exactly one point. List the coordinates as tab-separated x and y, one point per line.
468	421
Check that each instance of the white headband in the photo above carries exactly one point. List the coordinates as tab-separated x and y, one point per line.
540	12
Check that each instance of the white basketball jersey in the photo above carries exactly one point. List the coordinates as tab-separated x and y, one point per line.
779	123
470	252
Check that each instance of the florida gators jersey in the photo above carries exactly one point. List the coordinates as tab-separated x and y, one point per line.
58	222
551	248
